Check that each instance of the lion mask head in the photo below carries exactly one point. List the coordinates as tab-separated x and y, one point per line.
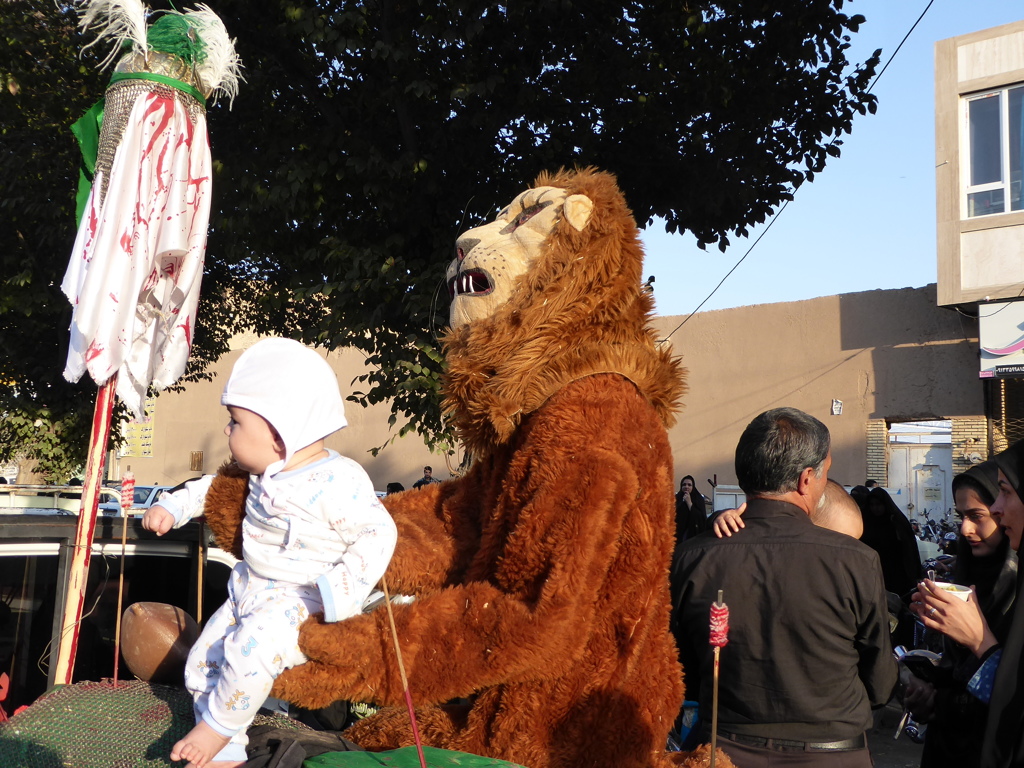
490	257
546	294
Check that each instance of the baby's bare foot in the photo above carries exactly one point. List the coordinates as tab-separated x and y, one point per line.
199	746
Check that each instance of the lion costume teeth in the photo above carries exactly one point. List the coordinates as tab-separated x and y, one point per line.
472	281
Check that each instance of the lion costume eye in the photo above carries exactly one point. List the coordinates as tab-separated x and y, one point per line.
525	215
529	213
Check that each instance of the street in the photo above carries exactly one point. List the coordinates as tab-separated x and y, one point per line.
886	751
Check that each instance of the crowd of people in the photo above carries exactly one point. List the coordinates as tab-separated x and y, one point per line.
816	580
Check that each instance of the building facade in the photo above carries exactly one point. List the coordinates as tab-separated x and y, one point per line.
979	158
863	363
860	362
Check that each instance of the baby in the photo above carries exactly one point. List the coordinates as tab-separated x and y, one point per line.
315	538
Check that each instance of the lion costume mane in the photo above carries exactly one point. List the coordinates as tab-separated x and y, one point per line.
539	633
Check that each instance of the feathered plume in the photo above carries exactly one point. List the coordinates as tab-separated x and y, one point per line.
118	20
221	68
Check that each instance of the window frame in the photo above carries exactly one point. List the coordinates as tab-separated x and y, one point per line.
1006	181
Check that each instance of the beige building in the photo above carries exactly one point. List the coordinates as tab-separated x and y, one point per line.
860	362
979	96
878	358
185	437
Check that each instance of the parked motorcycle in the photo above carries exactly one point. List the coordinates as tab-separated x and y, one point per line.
925	665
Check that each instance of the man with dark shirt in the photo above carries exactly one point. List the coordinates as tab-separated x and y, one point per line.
809	653
427	479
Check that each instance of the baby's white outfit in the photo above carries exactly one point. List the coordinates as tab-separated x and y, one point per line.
314	539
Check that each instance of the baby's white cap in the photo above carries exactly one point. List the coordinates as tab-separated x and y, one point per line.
290	386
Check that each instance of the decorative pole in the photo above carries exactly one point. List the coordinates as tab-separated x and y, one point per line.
79	570
135	271
127	502
719	639
401	671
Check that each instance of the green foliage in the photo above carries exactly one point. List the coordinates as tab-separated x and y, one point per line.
44	88
53	440
369	134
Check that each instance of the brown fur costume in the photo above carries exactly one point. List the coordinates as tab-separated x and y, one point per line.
541	577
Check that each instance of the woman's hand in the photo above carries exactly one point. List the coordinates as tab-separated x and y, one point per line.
959	620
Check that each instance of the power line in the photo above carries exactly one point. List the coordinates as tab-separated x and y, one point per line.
734	266
786	204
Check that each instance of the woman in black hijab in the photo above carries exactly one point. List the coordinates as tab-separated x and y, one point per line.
985	562
997	680
691	514
889	533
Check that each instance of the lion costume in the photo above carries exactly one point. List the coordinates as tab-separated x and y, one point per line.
541	576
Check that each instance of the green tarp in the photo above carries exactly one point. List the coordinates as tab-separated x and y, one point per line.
405	757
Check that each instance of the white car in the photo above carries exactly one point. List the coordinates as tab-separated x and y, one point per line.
145	496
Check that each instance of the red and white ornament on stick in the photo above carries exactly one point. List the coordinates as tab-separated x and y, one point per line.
127	490
719	639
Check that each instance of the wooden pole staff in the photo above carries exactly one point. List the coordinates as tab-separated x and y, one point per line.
199	573
127	502
719	639
79	574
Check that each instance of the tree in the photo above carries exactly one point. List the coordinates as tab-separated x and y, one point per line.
42	87
369	134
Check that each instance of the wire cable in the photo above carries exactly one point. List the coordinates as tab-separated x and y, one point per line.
786	204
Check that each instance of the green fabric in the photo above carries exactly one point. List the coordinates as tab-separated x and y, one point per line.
405	757
87	131
172	33
184	87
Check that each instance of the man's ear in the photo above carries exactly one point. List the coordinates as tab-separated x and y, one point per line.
278	442
803	485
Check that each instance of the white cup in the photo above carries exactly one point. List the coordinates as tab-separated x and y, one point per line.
955	589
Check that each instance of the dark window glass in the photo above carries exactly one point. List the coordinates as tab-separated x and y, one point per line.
28	589
1015	102
986	157
984	203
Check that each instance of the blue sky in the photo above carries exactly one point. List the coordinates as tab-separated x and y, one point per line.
866	222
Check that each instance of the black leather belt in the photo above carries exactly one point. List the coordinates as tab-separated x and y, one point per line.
789	745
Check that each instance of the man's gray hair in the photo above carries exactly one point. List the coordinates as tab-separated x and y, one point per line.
776	447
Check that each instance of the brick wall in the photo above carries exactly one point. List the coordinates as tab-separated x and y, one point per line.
970	436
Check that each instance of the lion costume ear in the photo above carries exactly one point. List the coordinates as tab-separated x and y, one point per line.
577	209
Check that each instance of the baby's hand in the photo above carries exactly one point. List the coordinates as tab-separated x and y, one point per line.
157	519
729	521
